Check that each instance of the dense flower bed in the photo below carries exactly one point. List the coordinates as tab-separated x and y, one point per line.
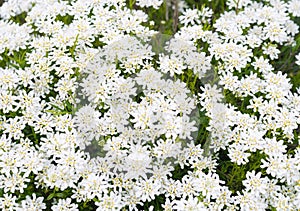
149	105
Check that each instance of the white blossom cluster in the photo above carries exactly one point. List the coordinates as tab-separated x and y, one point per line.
69	93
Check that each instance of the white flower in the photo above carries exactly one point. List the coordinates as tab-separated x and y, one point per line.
255	183
34	203
294	7
238	4
274	165
168	205
146	190
166	149
171	64
237	154
14	127
113	201
262	65
248	201
275	32
8	202
137	163
65	205
190	204
272	51
190	16
298	59
149	3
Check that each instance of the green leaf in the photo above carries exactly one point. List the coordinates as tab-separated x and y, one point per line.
50	196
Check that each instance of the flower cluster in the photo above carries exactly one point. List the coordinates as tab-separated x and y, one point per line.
96	113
